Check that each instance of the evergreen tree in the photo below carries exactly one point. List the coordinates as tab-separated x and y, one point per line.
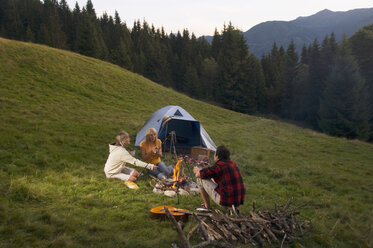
30	36
329	52
201	51
66	18
255	91
274	72
107	26
11	23
139	59
304	55
179	61
315	85
291	67
345	109
193	56
31	14
121	55
209	71
362	48
44	37
51	19
216	44
76	19
234	88
2	7
118	40
163	56
148	48
87	40
192	86
90	10
299	105
203	48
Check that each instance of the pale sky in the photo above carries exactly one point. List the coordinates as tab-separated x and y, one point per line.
202	16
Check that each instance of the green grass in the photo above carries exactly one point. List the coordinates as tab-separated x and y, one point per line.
59	112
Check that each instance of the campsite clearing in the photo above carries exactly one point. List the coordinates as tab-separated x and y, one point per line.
60	110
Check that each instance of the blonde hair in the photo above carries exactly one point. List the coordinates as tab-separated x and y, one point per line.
120	138
148	132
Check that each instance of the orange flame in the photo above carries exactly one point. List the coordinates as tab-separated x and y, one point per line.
177	173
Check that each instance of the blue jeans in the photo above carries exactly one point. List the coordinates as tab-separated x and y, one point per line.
162	170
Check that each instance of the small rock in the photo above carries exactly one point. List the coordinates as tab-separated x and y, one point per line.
170	193
183	192
193	185
194	191
157	191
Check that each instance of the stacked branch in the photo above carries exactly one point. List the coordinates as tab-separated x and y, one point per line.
259	228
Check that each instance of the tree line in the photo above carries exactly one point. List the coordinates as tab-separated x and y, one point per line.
327	86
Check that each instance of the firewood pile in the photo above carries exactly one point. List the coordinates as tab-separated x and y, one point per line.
259	228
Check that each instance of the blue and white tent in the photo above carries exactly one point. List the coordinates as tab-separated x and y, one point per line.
187	130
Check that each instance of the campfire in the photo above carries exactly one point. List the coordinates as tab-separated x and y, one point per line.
178	176
179	184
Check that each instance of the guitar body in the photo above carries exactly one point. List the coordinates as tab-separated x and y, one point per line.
159	213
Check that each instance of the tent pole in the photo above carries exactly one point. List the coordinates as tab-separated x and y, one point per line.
165	137
172	143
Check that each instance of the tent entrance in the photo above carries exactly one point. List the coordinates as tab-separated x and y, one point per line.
186	133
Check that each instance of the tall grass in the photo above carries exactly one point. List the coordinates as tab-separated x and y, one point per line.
59	112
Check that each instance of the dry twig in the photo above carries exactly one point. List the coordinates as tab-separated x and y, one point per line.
258	228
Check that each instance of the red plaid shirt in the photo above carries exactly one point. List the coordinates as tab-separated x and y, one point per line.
230	184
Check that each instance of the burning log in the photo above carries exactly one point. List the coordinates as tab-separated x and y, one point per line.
259	228
180	184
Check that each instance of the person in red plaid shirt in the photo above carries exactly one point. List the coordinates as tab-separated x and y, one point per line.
227	187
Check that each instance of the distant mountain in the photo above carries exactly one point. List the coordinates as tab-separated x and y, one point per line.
304	30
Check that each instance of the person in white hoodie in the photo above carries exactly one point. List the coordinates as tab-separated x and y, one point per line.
115	166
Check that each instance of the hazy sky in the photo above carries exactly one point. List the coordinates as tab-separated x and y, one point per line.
202	16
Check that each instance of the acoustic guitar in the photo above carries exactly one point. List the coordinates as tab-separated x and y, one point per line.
160	213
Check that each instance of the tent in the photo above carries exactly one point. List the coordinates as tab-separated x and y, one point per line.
176	121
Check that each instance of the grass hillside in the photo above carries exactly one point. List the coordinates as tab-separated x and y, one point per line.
58	113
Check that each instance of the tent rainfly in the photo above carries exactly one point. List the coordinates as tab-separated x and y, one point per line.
175	120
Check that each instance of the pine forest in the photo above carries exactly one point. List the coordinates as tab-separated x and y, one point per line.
327	86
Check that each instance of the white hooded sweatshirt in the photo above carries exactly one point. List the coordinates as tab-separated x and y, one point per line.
118	158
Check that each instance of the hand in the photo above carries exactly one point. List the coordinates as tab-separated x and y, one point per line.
132	178
158	150
154	167
196	171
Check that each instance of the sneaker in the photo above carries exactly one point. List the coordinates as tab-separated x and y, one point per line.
131	185
202	208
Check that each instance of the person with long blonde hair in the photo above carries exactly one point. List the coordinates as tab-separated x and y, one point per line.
115	166
151	152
